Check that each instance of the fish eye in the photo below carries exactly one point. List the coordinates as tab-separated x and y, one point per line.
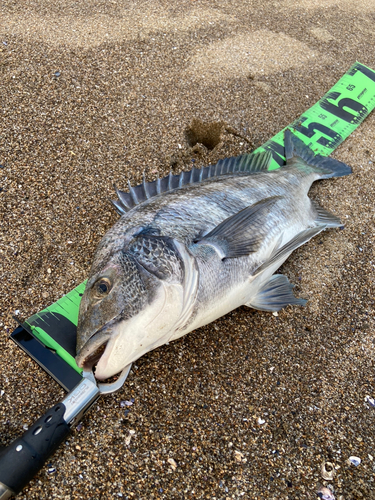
102	287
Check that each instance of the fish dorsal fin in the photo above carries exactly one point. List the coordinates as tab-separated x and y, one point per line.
244	164
300	155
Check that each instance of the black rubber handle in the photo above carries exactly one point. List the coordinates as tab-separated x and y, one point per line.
22	459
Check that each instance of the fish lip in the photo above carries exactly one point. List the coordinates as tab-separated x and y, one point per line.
93	349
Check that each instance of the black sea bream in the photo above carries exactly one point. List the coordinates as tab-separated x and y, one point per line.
190	248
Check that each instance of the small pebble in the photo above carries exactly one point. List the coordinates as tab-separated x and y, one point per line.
129	437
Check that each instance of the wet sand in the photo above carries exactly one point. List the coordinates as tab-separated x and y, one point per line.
94	93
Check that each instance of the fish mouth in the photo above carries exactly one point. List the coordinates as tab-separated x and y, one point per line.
92	359
91	352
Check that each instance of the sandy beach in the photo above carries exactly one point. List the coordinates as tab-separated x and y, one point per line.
94	93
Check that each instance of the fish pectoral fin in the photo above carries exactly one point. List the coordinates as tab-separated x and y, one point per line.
274	294
240	234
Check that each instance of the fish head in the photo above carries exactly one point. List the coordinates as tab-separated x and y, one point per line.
133	302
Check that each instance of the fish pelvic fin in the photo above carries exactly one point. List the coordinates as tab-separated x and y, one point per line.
301	156
240	234
274	294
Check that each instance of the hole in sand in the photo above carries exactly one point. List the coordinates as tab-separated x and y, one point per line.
206	133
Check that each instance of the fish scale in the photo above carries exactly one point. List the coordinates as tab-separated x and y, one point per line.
236	194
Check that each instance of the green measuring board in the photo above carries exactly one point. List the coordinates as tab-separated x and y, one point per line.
333	118
323	127
60	314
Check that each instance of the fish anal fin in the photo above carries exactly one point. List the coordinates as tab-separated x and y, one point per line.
281	254
242	233
324	217
274	294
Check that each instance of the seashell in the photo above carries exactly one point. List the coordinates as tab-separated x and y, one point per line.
325	493
370	401
328	471
354	460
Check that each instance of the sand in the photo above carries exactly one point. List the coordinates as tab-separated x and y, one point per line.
93	93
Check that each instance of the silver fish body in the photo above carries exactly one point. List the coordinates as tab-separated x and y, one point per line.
190	248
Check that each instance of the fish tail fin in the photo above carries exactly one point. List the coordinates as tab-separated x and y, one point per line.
296	150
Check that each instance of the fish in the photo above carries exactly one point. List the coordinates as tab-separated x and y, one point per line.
190	248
